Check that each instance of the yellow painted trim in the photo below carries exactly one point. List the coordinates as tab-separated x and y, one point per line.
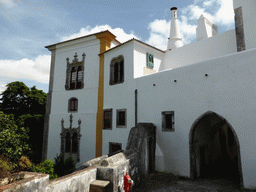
105	42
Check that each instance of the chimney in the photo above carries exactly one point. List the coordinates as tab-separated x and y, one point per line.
175	40
205	28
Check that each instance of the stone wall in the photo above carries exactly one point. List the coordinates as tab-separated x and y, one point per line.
138	160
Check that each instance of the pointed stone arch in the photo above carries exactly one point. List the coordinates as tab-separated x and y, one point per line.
193	140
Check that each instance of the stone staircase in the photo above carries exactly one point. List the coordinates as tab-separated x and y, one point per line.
100	186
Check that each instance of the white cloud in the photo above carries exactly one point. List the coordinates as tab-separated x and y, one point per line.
8	3
225	15
120	34
159	33
37	69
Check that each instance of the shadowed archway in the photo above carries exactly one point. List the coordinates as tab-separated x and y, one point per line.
214	149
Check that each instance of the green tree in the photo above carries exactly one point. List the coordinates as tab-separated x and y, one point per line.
14	98
19	100
28	106
13	139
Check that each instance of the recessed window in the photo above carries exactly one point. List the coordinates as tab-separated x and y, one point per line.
68	143
74	143
73	105
107	119
114	148
168	121
117	70
150	60
75	73
121	118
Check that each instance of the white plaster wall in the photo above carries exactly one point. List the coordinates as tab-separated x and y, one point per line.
140	58
91	65
87	97
88	132
114	43
249	18
213	47
229	91
119	96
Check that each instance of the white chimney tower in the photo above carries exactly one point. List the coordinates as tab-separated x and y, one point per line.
175	40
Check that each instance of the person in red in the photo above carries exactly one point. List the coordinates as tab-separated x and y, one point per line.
127	182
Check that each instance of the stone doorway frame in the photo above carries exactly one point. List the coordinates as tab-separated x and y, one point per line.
192	152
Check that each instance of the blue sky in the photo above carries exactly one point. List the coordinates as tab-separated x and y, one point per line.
27	26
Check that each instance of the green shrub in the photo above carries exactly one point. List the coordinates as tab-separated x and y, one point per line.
70	165
5	168
63	167
59	165
45	167
24	164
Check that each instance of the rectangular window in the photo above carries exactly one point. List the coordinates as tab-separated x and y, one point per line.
150	60
168	121
114	148
107	119
121	118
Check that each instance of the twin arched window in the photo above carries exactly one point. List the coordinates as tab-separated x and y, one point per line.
73	105
117	70
75	73
76	78
71	143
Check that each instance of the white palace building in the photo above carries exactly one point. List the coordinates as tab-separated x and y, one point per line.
201	97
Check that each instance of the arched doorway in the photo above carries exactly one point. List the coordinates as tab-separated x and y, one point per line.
214	149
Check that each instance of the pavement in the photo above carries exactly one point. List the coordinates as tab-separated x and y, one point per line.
167	182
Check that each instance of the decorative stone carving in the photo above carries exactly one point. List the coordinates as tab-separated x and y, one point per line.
72	131
75	64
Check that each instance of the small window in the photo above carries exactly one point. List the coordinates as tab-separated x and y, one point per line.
168	121
117	70
107	119
114	148
73	105
150	60
121	118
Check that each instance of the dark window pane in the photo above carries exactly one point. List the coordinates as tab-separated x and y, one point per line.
107	119
121	116
74	143
68	143
121	70
168	120
116	72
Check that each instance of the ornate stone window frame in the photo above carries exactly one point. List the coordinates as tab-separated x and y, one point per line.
117	70
71	131
75	65
70	103
164	121
118	120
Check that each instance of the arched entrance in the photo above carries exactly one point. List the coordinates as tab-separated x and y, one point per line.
214	149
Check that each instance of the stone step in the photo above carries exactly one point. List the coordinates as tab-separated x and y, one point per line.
100	186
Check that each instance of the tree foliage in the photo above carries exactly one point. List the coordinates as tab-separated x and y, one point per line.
13	139
28	107
18	99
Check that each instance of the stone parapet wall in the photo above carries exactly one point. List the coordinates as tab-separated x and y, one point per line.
77	181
